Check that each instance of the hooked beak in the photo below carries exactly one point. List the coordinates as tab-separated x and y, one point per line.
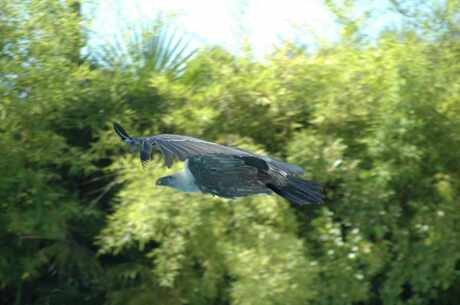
164	181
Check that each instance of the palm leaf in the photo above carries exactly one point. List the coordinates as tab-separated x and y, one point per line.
157	47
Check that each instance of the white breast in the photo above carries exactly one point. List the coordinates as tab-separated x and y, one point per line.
186	180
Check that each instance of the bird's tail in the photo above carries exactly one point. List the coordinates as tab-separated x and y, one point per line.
299	191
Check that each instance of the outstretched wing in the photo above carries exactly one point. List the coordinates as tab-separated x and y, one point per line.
227	176
235	176
183	147
121	132
288	168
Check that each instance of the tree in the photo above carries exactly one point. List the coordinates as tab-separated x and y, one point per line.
377	122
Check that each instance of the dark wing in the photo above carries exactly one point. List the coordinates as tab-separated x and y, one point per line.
226	175
145	152
234	176
183	147
121	132
288	168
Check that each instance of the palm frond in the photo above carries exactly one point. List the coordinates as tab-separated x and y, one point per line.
157	47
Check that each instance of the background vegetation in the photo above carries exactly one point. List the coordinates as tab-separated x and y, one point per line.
377	121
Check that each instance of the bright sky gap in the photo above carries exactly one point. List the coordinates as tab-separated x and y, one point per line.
229	23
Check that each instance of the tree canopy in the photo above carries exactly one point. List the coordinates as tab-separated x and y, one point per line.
376	121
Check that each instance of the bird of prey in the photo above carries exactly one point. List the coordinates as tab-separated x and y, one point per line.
224	171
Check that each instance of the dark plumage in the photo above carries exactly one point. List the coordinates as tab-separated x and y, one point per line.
224	171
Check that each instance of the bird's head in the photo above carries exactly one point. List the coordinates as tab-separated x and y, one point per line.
170	181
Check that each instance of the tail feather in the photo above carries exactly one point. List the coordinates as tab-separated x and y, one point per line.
299	191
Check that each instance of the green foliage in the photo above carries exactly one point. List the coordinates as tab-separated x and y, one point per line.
376	123
146	49
202	240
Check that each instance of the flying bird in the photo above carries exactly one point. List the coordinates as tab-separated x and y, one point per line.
224	171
